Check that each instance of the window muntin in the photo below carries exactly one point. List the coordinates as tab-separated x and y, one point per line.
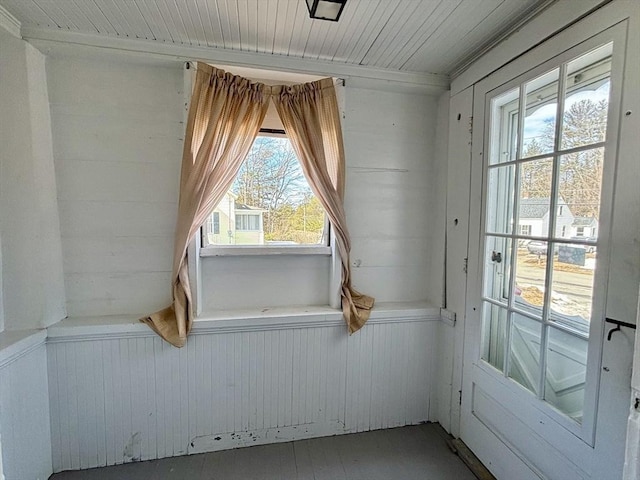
536	332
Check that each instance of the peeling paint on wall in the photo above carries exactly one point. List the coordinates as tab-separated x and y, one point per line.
225	441
132	448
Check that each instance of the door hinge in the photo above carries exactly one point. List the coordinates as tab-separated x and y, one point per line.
470	125
465	264
459	397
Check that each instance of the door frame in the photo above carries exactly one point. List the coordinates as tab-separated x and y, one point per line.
505	463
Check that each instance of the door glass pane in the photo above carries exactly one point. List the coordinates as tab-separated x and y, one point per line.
540	117
584	120
541	233
524	352
535	197
572	287
497	275
500	191
579	187
504	127
494	332
566	372
531	264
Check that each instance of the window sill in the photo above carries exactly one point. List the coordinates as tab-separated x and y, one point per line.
244	250
227	321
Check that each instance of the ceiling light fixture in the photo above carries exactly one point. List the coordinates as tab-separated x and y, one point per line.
326	9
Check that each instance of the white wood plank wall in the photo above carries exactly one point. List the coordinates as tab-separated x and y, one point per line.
33	287
136	398
24	414
117	139
390	202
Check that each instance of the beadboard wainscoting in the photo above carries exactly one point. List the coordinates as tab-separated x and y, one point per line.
127	396
24	406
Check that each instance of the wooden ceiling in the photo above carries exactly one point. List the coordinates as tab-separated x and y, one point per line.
421	36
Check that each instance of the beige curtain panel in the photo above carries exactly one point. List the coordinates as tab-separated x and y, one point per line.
225	116
310	116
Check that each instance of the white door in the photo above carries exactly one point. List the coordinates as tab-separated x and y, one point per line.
544	162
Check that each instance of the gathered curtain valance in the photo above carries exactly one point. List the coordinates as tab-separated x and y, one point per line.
225	115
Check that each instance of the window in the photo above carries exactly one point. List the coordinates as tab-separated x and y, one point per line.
270	203
524	229
273	249
211	229
248	222
538	296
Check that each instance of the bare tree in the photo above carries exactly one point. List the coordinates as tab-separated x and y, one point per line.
535	175
271	178
580	180
580	174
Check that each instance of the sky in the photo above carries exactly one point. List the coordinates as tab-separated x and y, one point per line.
534	124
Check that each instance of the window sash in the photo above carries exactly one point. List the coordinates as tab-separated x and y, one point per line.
585	429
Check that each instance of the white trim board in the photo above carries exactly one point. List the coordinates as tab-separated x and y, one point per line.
101	328
467	61
47	40
543	26
10	23
15	344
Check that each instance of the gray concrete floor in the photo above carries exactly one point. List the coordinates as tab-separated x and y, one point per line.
416	452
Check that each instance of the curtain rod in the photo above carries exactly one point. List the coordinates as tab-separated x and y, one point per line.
338	81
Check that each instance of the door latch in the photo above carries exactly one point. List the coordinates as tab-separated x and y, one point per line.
496	257
618	324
